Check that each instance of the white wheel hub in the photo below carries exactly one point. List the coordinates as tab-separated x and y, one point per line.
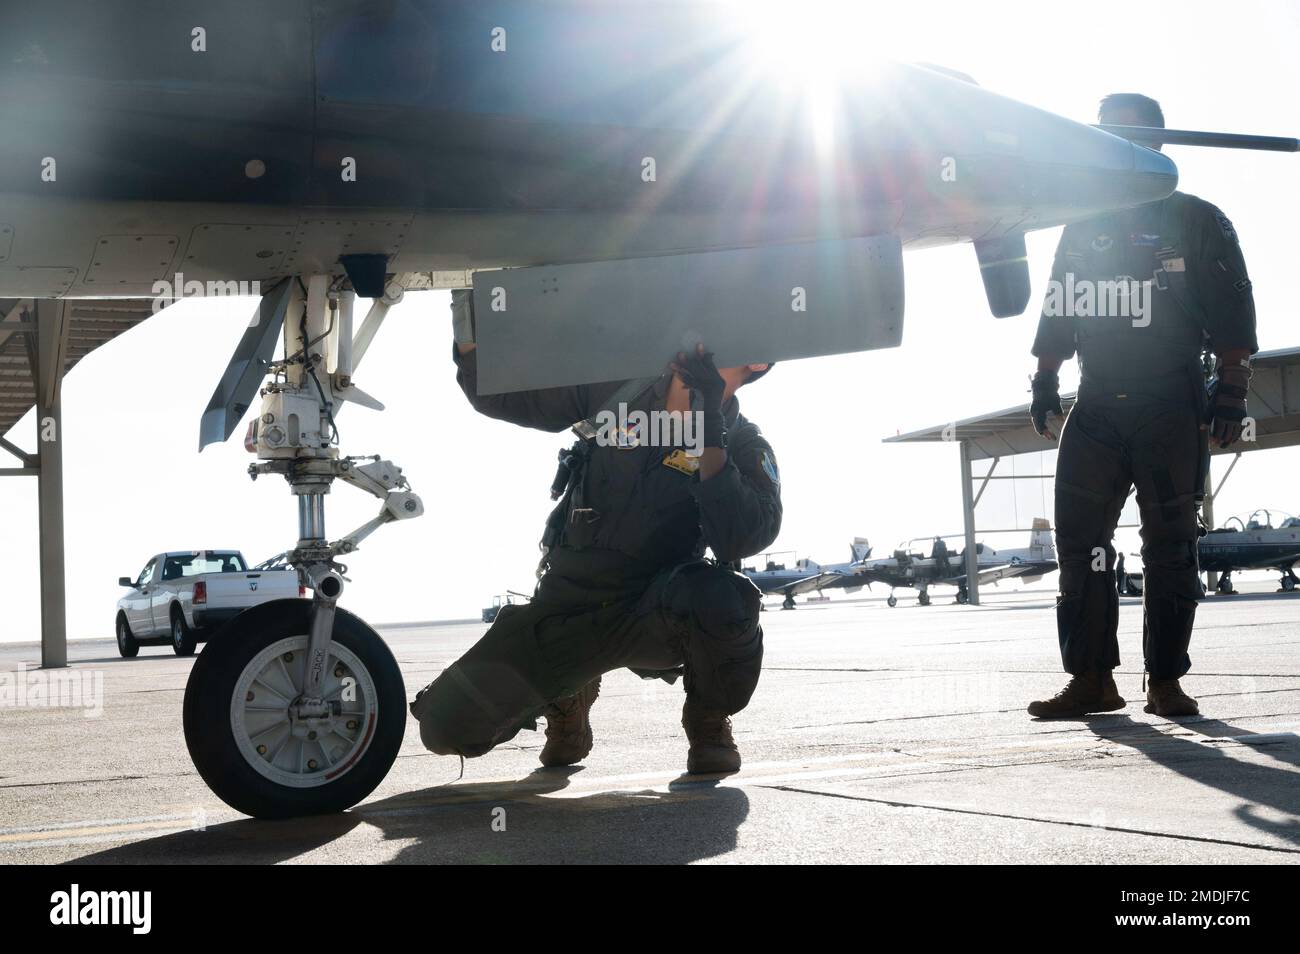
303	752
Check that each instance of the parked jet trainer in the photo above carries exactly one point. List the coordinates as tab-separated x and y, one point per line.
331	149
1263	540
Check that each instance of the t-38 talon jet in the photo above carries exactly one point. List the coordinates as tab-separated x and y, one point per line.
612	180
1263	540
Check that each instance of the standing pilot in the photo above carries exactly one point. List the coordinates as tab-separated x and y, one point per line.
625	582
1140	420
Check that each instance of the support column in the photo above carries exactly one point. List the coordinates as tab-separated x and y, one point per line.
51	355
968	522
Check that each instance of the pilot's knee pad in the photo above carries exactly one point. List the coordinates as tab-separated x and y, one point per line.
714	603
452	721
715	612
1171	566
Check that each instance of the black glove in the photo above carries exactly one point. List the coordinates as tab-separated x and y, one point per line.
1047	400
1228	403
699	373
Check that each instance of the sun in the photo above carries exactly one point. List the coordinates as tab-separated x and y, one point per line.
814	50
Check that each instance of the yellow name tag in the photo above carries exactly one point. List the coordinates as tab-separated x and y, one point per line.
680	460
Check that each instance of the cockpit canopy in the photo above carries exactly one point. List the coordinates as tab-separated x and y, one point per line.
1262	519
930	548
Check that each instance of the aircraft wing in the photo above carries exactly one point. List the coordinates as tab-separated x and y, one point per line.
1004	571
810	583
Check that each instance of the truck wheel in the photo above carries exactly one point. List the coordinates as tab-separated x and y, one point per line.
183	640
126	644
248	745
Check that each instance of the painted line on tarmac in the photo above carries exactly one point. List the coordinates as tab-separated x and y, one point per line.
98	830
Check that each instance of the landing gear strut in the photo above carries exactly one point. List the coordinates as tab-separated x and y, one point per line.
297	707
924	598
1225	585
963	595
1289	581
787	603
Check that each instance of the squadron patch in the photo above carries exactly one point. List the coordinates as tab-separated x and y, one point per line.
769	468
628	437
1102	243
1226	224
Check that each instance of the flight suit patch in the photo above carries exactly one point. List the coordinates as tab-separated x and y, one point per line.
681	461
769	468
1226	224
628	437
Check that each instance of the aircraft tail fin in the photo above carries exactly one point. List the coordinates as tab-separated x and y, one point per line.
860	549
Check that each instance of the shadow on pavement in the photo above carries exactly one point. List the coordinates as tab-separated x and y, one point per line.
1209	763
693	820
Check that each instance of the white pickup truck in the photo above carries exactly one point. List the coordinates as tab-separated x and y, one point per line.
181	597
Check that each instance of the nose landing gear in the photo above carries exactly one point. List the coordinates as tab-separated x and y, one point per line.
297	707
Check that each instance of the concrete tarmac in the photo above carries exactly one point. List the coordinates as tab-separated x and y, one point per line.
876	735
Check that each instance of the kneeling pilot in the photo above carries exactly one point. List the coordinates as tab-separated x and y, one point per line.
624	582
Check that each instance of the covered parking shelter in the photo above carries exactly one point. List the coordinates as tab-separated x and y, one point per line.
1274	406
40	341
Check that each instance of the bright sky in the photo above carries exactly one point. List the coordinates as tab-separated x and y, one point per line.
136	486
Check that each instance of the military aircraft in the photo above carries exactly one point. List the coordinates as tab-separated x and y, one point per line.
909	567
1263	540
614	181
805	575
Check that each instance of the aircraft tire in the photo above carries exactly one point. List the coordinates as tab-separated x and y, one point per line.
892	601
924	599
245	742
